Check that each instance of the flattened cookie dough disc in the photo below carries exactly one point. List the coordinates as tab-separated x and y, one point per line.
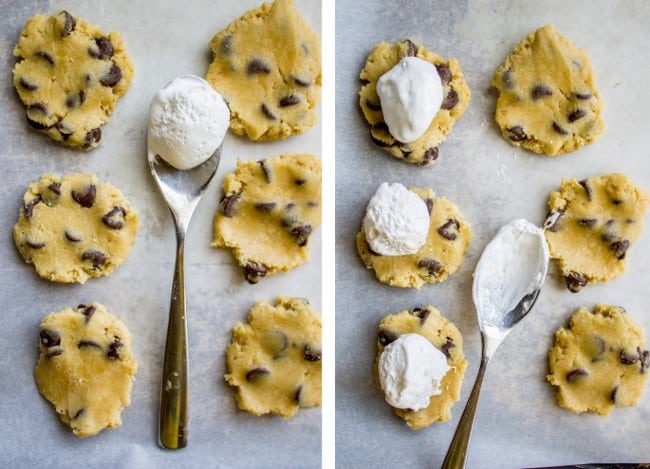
86	368
267	66
548	101
70	76
442	253
598	362
74	228
423	151
274	360
427	322
596	222
268	213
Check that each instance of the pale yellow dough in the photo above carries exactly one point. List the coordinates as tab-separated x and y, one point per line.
598	362
548	101
268	213
427	322
274	360
86	368
267	66
70	76
436	260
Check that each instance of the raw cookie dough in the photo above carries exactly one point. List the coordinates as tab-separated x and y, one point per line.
423	151
596	220
74	228
599	362
269	210
548	101
86	368
427	322
442	253
274	361
70	75
267	66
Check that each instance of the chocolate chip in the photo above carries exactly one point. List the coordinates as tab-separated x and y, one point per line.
76	99
311	355
45	56
575	115
102	50
290	100
28	207
63	129
582	96
267	170
88	343
225	46
386	337
34	244
298	394
268	113
575	281
619	248
112	77
85	199
93	136
516	133
609	231
50	338
431	265
429	204
253	272
628	359
68	23
40	109
614	394
404	148
54	353
78	414
98	258
539	91
559	129
55	187
587	188
576	374
617	202
372	105
430	156
300	82
450	100
301	233
229	204
265	206
115	218
256	373
113	349
257	66
599	345
73	238
422	313
444	73
587	222
450	229
87	311
447	346
29	86
300	182
556	221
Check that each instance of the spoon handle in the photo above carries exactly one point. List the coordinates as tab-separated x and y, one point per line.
174	389
457	452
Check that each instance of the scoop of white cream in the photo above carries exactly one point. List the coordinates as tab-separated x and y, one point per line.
410	94
396	222
512	265
410	371
188	120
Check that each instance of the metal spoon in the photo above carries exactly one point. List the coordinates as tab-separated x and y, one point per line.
182	191
500	307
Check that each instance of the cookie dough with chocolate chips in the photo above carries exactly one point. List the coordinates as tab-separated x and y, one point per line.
86	368
274	360
268	212
70	75
592	225
74	227
442	253
267	66
598	362
548	101
424	150
427	322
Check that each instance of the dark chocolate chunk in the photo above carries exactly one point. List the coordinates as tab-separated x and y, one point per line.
268	113
257	66
98	258
28	85
516	133
582	96
300	82
50	338
574	375
450	229
253	272
575	281
386	337
587	222
256	373
265	206
429	203
112	77
619	248
372	105
88	343
298	394
585	184
300	182
85	199
102	50
115	218
311	355
628	358
63	129
34	244
430	156
447	346
559	129
78	414
599	345
54	353
575	115
28	207
301	233
609	231
69	23
539	91
75	99
45	56
73	238
617	201
229	204
431	265
444	73
411	48
55	187
225	46
113	349
93	136
267	170
422	313
87	311
290	100
450	100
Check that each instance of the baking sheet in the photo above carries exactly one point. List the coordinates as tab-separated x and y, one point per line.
164	39
518	423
